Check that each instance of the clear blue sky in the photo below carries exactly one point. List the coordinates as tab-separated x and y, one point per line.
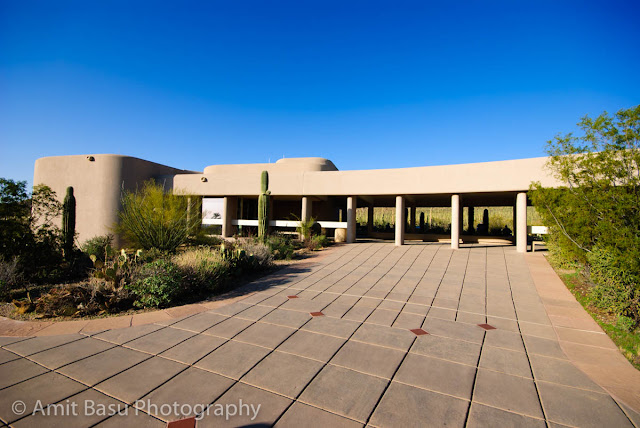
365	84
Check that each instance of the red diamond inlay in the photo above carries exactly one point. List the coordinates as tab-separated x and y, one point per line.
487	326
182	423
292	297
418	331
317	314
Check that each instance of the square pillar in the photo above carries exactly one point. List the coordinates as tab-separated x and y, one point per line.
307	206
229	213
455	221
412	221
370	219
400	220
521	222
351	219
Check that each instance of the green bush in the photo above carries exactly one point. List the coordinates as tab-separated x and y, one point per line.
153	218
157	284
281	247
594	218
317	242
99	246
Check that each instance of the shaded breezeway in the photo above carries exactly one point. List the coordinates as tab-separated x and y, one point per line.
490	356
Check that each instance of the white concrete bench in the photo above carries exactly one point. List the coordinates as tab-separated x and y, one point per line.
537	230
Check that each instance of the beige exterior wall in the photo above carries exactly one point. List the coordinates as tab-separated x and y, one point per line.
97	185
502	176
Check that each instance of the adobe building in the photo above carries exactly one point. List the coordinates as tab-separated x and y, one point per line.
302	188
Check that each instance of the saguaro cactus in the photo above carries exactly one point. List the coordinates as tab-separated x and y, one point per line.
68	222
263	206
485	221
422	222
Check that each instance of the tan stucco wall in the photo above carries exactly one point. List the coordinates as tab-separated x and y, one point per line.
502	176
97	185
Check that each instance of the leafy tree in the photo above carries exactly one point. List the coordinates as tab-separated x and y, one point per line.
27	229
595	217
153	218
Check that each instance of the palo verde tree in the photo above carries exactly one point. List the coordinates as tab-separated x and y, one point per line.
594	218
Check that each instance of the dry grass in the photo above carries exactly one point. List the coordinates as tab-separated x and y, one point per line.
499	217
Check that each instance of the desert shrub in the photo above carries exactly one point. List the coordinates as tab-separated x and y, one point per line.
10	276
259	255
281	247
157	284
153	218
99	246
84	299
317	242
203	269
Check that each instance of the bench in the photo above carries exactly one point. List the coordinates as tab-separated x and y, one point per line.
537	230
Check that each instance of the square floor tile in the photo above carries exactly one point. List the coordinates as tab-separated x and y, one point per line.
454	330
331	326
192	349
18	370
6	356
42	343
139	380
232	309
300	415
194	387
81	418
293	319
580	408
159	341
47	388
370	359
504	339
263	408
562	372
267	335
57	357
505	361
200	322
404	406
545	347
228	328
512	393
307	344
132	418
351	401
397	338
282	373
254	313
437	375
233	359
101	366
123	335
484	416
382	317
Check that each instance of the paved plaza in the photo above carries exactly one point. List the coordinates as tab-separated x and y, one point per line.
367	334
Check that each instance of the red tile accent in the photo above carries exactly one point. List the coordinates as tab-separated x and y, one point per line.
317	314
487	326
183	423
418	331
292	297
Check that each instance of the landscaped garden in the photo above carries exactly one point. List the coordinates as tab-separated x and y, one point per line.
163	257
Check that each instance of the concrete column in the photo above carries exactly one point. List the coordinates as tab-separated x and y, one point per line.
370	219
515	221
351	219
412	227
229	211
400	220
521	222
455	221
307	205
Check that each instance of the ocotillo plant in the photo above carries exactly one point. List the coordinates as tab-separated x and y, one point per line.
263	206
68	222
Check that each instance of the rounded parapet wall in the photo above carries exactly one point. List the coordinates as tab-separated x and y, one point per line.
281	165
97	180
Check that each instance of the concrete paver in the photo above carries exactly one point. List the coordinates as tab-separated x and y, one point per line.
357	364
